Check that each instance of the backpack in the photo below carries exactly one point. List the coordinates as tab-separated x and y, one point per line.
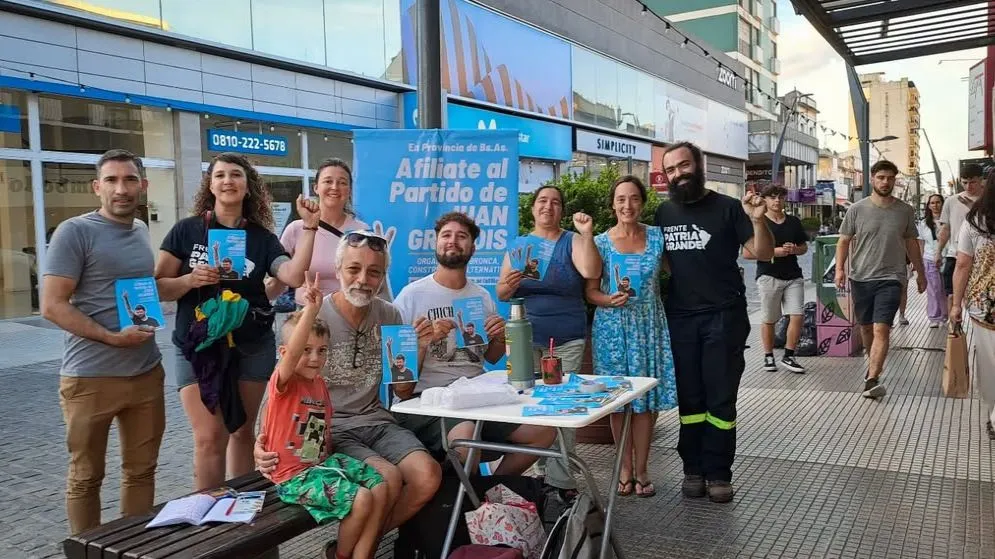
577	534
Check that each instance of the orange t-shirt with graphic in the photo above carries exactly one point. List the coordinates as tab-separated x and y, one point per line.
298	425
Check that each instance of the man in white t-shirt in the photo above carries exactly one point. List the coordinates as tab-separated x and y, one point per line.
952	217
443	362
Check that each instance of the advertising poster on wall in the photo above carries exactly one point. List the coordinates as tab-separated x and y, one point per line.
976	107
491	58
412	177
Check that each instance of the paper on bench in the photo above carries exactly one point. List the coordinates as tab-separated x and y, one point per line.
201	509
466	393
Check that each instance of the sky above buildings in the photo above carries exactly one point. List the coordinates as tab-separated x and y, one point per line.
809	64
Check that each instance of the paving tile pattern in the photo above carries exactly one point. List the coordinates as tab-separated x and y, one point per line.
821	472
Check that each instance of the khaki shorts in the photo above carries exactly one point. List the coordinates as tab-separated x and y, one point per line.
780	298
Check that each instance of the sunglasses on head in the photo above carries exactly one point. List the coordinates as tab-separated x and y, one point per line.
374	241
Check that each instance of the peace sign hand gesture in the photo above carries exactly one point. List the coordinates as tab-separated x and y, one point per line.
312	295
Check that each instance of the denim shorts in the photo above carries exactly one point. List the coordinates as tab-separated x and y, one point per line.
256	362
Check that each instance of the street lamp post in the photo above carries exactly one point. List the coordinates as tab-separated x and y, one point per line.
776	159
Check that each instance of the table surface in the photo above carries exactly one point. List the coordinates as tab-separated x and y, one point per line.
512	413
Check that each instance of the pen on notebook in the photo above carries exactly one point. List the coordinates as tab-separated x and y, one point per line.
231	507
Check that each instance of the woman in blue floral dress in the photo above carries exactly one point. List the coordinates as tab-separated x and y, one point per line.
630	329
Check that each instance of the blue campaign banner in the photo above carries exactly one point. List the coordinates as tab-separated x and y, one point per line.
408	178
243	142
10	119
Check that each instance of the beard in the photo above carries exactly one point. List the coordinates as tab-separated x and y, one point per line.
357	295
687	188
884	192
453	261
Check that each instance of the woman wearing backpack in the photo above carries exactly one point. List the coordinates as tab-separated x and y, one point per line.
232	197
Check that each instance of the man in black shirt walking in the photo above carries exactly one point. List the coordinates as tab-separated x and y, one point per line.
780	282
706	311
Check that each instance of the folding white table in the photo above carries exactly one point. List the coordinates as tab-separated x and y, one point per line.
512	413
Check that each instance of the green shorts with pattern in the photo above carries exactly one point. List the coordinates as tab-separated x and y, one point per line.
328	489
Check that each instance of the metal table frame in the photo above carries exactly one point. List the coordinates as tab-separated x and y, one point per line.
475	445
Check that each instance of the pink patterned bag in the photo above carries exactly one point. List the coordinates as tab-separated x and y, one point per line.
505	518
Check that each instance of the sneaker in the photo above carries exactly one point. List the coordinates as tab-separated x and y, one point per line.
903	321
789	363
990	430
720	491
873	389
693	486
769	364
934	325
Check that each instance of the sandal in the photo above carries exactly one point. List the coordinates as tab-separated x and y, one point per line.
625	488
645	489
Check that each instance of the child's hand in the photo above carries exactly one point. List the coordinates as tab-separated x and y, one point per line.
312	295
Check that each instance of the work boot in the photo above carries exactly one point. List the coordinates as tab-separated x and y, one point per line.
720	491
693	486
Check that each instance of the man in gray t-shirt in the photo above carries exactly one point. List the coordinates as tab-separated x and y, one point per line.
882	230
109	370
361	427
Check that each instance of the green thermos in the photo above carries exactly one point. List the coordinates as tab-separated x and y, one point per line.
518	347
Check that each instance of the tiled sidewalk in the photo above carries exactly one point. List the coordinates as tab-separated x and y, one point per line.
821	471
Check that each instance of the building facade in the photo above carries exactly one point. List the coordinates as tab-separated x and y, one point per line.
747	31
178	81
894	112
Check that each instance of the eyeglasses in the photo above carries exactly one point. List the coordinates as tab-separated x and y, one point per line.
358	344
356	239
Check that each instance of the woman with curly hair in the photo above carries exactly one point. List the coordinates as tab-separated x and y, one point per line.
974	287
232	196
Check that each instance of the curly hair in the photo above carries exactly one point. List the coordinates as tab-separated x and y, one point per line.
257	205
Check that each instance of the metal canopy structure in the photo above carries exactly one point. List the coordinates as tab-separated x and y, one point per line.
872	31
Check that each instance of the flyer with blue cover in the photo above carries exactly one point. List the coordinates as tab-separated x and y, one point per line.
138	303
531	255
470	316
226	252
399	345
626	276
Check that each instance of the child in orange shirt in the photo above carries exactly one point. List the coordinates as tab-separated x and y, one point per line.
298	422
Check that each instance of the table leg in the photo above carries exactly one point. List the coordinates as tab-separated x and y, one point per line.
613	483
464	485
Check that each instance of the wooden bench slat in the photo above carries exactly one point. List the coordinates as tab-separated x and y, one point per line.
188	533
268	532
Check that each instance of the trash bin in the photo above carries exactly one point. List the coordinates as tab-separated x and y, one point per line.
837	334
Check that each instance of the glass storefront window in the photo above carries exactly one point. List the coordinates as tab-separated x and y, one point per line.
288	134
606	71
88	126
187	17
627	91
294	30
69	192
13	119
322	145
18	261
362	36
139	12
585	85
285	191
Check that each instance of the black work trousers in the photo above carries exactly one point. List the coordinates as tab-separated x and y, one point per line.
708	358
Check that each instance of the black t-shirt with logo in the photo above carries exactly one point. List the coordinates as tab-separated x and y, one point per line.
784	267
702	242
187	240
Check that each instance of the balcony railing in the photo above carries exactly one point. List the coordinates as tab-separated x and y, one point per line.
758	53
775	65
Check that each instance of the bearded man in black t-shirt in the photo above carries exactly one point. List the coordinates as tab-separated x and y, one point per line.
706	311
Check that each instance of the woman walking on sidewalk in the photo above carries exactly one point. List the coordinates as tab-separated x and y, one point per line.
974	286
936	307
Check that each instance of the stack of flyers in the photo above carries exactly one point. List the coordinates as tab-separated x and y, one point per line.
399	354
470	321
532	411
625	275
531	255
227	252
138	303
